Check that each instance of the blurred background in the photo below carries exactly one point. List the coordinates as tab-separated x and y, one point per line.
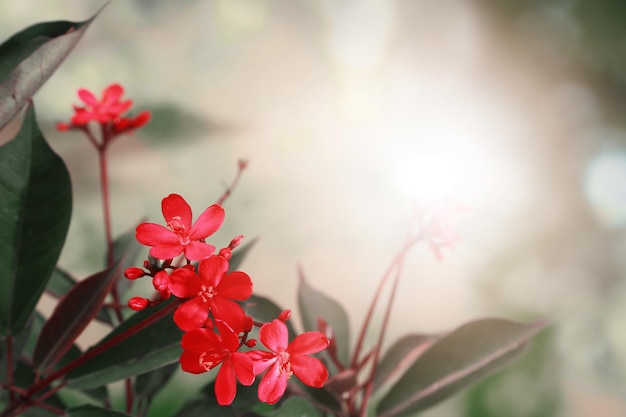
350	111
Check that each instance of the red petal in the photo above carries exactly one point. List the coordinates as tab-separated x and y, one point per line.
225	383
151	234
306	343
229	339
229	312
201	340
184	283
112	93
191	314
197	251
243	368
88	97
272	385
261	360
190	362
211	270
174	207
274	336
141	119
209	221
166	252
236	286
311	371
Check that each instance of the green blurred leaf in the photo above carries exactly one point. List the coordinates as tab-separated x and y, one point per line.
71	316
93	411
294	406
30	57
463	357
528	388
151	348
203	407
149	384
402	354
35	210
313	305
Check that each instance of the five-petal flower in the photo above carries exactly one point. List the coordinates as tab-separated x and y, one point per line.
286	359
211	289
180	235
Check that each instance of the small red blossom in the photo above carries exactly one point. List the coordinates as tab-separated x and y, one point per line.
286	359
108	112
138	303
203	350
180	235
211	289
437	225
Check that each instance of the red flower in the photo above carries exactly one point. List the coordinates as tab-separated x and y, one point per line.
108	112
181	235
286	359
211	289
204	350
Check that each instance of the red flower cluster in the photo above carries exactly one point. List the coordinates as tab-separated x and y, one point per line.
216	325
108	112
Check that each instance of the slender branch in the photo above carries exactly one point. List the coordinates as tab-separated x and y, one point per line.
241	166
370	312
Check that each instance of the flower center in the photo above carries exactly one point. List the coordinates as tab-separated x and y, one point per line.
206	293
178	227
285	364
209	360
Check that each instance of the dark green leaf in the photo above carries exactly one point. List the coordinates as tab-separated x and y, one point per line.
93	411
203	407
463	357
149	384
313	305
71	316
151	348
402	354
24	378
29	58
35	209
127	249
294	406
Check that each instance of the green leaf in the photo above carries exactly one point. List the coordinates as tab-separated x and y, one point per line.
402	354
127	249
30	57
149	384
151	348
294	406
71	316
203	407
35	209
313	305
93	411
461	358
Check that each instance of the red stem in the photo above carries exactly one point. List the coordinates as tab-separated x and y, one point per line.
241	166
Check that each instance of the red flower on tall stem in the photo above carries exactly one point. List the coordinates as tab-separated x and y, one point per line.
286	359
211	289
180	235
204	350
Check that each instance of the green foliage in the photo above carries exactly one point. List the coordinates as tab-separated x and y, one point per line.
36	198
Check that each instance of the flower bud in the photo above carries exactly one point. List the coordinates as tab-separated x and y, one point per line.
161	281
248	323
284	315
165	294
134	273
138	303
251	343
235	242
226	253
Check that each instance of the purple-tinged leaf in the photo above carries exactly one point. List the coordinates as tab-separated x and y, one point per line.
459	359
30	57
71	315
313	305
402	354
35	210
